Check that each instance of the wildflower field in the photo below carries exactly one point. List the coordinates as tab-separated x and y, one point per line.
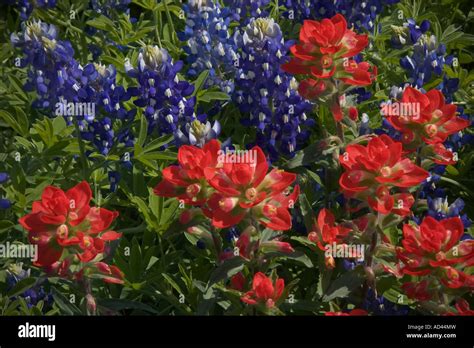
236	157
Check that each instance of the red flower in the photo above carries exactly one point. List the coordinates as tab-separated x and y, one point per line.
113	274
361	74
186	181
372	170
244	186
323	47
311	89
418	291
354	312
439	154
455	279
238	281
462	308
326	232
273	211
228	187
264	291
434	244
425	117
65	220
323	56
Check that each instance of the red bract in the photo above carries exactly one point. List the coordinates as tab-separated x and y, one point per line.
323	47
372	170
323	56
354	312
264	291
418	291
424	117
462	308
186	181
228	189
455	279
361	74
326	232
65	220
434	244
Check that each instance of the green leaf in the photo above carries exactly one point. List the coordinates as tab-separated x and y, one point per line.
227	269
102	23
18	86
143	130
21	286
209	96
297	255
120	304
199	82
173	284
12	122
343	286
5	225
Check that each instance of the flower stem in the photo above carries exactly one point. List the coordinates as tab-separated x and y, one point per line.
82	149
157	24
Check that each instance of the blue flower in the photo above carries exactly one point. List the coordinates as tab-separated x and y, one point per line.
26	7
198	133
361	14
5	204
245	10
409	33
114	178
232	233
379	305
449	87
266	96
209	45
166	101
428	59
4	177
59	80
33	295
105	7
439	208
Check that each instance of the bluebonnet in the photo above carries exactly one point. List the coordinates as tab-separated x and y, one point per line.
464	137
33	295
110	9
209	44
232	233
4	177
379	305
105	7
114	178
427	60
4	203
167	101
409	33
364	127
266	96
59	79
26	7
448	87
198	133
361	14
439	208
53	71
244	10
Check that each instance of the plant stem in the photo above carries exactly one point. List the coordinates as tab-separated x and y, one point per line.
216	240
155	22
170	22
82	149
